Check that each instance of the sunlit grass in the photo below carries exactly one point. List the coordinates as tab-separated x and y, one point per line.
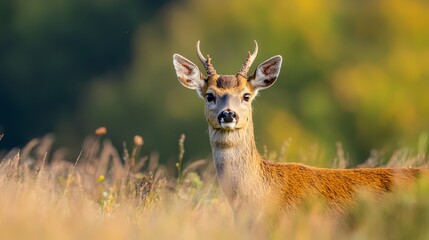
111	194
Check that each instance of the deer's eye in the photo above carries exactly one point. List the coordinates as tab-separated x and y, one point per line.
246	97
210	97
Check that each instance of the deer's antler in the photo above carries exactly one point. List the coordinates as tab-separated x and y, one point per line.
249	60
206	62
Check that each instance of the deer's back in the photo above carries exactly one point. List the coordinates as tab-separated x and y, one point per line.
292	183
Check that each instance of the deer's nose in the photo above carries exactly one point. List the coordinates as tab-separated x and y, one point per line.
227	116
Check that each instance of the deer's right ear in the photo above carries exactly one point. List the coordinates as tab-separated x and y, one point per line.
188	73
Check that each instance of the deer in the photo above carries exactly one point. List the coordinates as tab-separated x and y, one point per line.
248	181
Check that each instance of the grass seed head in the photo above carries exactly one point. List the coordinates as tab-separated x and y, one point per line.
138	140
101	131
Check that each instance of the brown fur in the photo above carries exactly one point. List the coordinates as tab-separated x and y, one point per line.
250	182
253	184
338	187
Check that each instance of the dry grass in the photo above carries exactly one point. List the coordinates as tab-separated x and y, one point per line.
107	195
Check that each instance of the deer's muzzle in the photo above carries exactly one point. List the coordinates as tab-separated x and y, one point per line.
228	119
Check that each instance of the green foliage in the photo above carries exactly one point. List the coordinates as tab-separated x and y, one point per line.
354	71
51	50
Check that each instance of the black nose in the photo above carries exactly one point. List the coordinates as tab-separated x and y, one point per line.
227	116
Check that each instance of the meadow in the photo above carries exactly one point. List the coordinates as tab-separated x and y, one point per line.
354	72
107	193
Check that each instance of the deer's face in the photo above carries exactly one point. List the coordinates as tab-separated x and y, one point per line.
228	101
228	98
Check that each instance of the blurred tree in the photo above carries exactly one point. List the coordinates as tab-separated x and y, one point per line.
354	72
50	50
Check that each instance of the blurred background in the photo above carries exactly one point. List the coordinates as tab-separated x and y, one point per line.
355	72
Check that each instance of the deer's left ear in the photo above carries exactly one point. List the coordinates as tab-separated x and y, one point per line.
266	73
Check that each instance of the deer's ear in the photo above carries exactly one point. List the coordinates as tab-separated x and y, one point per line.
266	73
188	73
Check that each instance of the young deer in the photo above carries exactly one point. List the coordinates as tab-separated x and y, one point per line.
249	182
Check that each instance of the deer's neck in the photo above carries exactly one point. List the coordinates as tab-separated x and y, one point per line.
234	147
237	162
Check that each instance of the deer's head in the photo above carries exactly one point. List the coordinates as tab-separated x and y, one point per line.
228	97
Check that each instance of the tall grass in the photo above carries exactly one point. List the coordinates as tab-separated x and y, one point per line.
111	194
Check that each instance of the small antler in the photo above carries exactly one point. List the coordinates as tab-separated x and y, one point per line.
249	60
206	62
